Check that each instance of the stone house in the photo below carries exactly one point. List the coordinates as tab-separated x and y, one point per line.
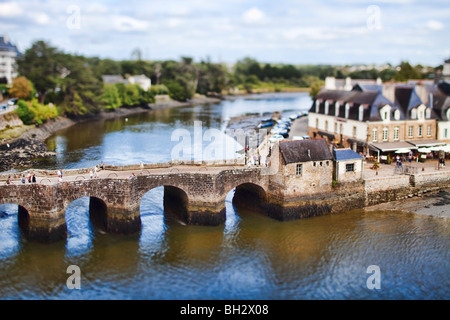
304	167
348	165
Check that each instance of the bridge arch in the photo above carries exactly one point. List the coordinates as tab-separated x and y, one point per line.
172	200
95	208
249	196
23	215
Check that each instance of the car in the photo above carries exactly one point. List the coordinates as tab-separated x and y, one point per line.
275	138
297	138
4	107
306	137
294	116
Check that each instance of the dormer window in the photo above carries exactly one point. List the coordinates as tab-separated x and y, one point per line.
385	113
427	113
361	113
448	114
397	115
413	114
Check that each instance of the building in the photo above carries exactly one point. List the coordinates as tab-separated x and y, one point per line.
8	65
446	71
143	81
348	165
304	166
441	108
364	117
347	84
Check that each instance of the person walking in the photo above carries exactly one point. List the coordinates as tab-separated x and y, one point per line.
33	179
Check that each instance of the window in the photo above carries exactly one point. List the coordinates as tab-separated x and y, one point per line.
354	132
420	131
375	135
413	114
410	131
385	134
445	133
397	115
317	123
396	133
347	109
386	115
298	170
326	125
429	130
335	127
428	113
350	167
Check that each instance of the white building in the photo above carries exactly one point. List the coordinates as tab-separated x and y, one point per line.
8	55
142	80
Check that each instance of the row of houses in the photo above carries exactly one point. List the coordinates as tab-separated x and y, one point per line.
379	117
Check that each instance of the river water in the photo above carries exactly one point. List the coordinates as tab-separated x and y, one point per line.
249	257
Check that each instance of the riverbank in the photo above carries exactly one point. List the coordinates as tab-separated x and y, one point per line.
24	151
435	204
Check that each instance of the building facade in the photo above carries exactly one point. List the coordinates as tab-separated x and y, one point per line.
8	64
355	119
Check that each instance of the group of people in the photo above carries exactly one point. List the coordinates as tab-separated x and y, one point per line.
93	173
31	179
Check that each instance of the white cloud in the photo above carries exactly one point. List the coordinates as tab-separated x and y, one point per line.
435	25
40	18
10	9
253	16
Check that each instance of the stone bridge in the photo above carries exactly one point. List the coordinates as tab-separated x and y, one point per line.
195	193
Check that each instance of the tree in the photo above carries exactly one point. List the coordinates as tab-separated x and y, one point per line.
406	72
24	113
315	89
41	65
21	88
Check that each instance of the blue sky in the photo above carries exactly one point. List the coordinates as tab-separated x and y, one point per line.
276	31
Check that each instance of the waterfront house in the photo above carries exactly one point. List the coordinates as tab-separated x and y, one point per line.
348	165
364	117
304	166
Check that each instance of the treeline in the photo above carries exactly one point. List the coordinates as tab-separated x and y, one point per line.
53	82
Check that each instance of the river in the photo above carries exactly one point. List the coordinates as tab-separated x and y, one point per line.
249	257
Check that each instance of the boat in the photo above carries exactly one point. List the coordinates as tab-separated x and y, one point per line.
265	125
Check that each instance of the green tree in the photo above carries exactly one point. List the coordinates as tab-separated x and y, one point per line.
315	89
24	113
406	72
41	65
110	98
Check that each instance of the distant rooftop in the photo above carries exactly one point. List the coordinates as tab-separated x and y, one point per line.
6	45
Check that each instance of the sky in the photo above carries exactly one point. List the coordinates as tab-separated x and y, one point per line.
271	31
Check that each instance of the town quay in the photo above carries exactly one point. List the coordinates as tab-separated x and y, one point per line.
297	184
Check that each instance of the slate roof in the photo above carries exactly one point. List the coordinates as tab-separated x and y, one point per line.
293	151
441	104
346	154
5	45
370	100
